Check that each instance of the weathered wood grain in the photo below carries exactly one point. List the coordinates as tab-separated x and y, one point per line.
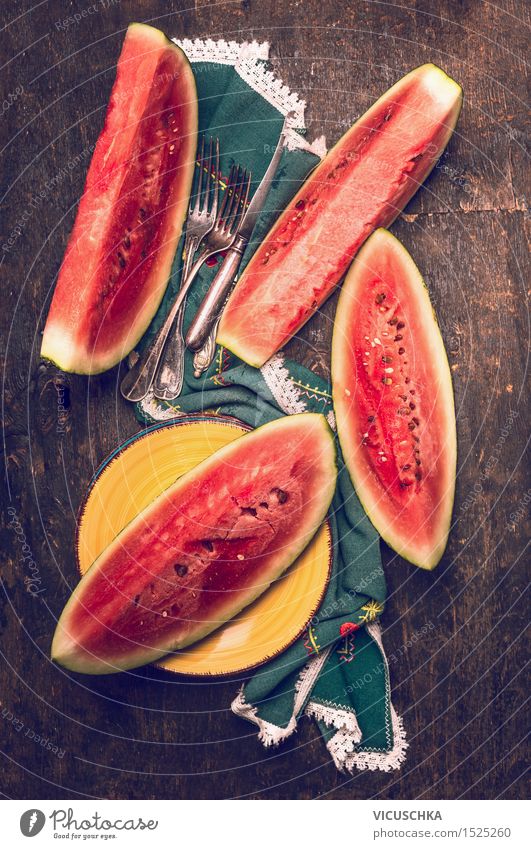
459	688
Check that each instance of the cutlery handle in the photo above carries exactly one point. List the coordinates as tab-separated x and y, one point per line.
169	377
137	382
203	358
214	300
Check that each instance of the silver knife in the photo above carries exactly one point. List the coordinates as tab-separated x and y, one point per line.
217	295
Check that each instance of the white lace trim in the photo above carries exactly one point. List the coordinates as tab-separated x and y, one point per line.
281	386
384	761
221	51
344	720
247	58
269	734
331	419
272	735
158	411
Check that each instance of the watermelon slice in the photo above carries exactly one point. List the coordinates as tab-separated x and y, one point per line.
362	184
203	550
118	260
393	401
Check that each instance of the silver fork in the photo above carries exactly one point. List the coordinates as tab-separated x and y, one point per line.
138	381
201	219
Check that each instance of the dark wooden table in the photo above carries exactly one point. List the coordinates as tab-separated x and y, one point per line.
460	689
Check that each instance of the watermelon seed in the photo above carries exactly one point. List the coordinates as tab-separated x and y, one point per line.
181	571
347	391
401	350
417	461
265	505
387	359
380	298
418	475
405	484
249	510
400	325
121	260
127	242
411	391
383	459
207	544
389	370
387	380
407	381
412	406
404	397
393	320
370	418
377	341
412	425
406	467
240	556
136	600
398	337
416	420
403	411
281	495
300	204
164	613
142	213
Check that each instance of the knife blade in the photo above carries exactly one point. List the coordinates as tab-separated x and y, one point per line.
216	297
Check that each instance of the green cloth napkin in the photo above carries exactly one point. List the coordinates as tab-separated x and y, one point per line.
337	671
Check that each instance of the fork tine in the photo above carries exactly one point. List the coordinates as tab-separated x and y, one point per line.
244	195
234	200
208	178
214	210
239	207
226	194
247	190
198	187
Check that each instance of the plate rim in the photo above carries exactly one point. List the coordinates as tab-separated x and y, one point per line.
142	434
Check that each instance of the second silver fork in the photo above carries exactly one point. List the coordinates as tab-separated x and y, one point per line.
201	219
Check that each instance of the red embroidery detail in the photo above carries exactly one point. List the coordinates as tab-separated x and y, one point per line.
347	628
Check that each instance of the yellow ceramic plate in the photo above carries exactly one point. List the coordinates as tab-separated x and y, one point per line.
140	470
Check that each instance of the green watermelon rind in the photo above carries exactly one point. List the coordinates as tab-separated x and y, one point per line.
382	240
63	649
61	348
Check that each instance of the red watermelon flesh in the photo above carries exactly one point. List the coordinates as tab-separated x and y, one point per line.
362	184
393	401
203	550
118	259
